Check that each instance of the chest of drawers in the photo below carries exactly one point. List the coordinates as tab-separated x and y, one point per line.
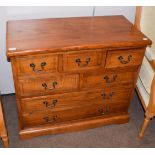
73	73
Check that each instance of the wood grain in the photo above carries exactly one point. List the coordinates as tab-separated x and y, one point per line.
73	126
124	58
65	94
37	64
75	99
66	34
48	84
3	129
107	78
83	60
41	118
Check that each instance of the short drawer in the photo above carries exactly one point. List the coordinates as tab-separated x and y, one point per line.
123	58
37	64
75	99
82	60
42	118
106	78
48	85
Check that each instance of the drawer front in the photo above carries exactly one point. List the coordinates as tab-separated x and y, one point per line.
124	58
76	99
37	64
102	79
52	84
83	60
42	118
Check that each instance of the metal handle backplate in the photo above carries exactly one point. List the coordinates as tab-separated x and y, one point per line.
80	64
50	105
103	112
49	88
108	80
121	59
109	96
33	66
50	120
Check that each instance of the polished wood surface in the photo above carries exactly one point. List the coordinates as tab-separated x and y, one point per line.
150	109
40	35
48	84
73	126
83	60
138	17
35	65
107	78
3	129
73	73
62	101
126	58
92	110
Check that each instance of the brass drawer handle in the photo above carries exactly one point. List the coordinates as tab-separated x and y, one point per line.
101	111
105	96
52	105
33	66
107	79
48	120
79	62
121	59
107	110
51	88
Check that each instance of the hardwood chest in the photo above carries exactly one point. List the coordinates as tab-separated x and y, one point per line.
73	73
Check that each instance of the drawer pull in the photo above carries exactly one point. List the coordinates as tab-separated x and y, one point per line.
52	105
51	88
100	110
48	120
32	65
107	79
121	59
78	61
105	96
107	110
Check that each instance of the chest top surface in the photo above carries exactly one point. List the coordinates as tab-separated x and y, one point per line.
71	33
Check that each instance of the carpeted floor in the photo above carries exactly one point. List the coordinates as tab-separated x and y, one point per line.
124	135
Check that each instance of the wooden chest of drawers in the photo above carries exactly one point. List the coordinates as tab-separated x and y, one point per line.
73	73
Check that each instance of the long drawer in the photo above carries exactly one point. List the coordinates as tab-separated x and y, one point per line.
48	84
82	112
75	99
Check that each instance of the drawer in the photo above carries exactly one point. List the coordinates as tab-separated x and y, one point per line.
87	59
106	78
37	64
123	58
41	118
48	85
75	99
